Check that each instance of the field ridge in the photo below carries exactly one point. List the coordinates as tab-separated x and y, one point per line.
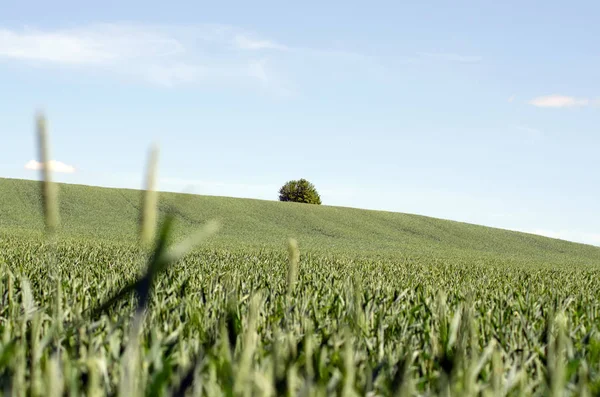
112	213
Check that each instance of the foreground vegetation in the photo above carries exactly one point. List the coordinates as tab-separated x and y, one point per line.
236	322
370	303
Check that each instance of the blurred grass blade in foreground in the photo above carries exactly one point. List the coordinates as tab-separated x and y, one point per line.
148	216
293	259
49	191
160	259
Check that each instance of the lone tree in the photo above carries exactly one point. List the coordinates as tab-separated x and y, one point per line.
300	191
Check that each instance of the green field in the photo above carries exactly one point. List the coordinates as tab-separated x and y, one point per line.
379	303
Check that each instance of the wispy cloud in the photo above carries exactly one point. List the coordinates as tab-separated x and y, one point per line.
511	98
172	56
199	55
96	44
246	43
452	57
559	101
53	165
167	56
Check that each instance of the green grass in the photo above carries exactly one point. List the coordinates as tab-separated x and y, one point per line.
378	304
112	214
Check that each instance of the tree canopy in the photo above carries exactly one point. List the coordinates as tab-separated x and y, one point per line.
300	191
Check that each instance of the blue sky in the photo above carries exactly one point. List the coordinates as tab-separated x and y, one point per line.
483	112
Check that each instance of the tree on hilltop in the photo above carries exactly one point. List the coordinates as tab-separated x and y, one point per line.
300	191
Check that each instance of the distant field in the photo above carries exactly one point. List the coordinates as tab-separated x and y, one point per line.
111	214
379	303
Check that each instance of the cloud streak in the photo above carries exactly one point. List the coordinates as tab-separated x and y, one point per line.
559	101
452	57
198	56
246	43
205	55
96	44
55	166
164	56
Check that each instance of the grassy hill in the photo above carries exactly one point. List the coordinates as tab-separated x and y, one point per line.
377	303
106	213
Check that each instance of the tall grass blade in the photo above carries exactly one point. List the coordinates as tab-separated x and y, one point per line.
293	259
149	210
49	191
160	259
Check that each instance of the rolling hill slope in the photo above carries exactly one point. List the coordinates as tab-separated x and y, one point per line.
104	213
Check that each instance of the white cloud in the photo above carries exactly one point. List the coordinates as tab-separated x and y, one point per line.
558	101
198	55
452	57
162	55
51	47
172	56
245	43
511	98
97	44
55	166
